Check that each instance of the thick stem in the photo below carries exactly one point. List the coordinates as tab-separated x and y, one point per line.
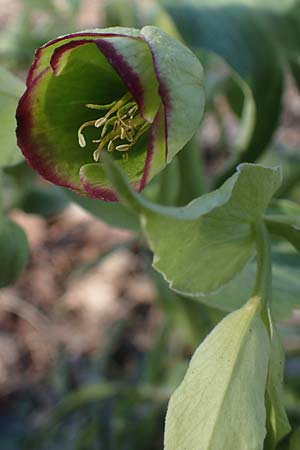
263	286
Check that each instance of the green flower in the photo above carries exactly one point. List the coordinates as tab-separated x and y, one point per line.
137	94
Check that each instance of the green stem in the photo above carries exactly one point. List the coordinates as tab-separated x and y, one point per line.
263	285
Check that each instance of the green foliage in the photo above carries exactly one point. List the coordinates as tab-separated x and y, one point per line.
216	230
208	229
231	397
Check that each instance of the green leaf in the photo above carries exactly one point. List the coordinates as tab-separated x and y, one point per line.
214	231
11	88
277	421
13	251
220	403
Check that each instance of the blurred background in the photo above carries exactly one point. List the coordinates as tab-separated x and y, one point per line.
92	341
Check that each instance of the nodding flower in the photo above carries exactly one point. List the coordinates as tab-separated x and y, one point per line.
137	94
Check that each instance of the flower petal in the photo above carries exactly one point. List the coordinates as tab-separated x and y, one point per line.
43	54
132	59
93	176
157	149
127	52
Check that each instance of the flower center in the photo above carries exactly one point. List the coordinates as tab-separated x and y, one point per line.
121	126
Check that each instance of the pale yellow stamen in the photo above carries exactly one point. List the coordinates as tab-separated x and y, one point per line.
122	122
100	122
81	140
123	147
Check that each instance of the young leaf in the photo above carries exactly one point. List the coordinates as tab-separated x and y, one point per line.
10	90
214	231
220	403
277	422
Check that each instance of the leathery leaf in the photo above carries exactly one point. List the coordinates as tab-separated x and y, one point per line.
220	403
202	246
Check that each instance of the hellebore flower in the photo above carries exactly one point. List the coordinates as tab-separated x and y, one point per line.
135	93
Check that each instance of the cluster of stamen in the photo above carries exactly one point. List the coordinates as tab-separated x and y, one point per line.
121	126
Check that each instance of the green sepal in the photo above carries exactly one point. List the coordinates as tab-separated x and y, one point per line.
181	85
74	75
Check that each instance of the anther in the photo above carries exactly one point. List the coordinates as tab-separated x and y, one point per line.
108	122
100	122
123	133
81	140
96	154
123	148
